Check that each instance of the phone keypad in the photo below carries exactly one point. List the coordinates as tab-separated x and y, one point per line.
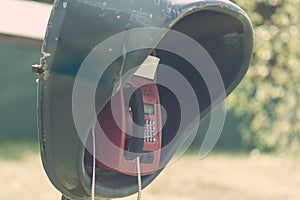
149	131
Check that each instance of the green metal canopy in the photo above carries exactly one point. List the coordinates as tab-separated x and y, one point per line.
77	27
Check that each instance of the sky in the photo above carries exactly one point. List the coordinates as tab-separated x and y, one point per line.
24	18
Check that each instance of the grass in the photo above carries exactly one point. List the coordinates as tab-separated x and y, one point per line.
223	176
11	149
227	176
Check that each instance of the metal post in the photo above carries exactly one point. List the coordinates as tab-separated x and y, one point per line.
64	198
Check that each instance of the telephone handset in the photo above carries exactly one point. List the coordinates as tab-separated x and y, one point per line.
134	144
127	139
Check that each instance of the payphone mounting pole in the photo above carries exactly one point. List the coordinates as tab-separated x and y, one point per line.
64	198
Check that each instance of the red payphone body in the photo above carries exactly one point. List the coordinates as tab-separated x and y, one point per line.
117	145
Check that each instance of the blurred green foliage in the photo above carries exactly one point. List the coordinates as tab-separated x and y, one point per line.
268	99
18	89
17	149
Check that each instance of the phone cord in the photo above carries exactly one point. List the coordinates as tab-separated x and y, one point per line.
138	166
139	197
94	165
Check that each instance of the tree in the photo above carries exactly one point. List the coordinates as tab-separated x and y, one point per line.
268	99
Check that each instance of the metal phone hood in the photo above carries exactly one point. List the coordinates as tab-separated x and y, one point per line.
77	28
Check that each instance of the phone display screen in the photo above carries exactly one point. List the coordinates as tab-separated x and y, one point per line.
149	109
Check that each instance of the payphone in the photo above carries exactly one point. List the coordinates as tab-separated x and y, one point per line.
133	127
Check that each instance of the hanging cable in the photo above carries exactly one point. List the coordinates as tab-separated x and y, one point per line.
138	166
94	165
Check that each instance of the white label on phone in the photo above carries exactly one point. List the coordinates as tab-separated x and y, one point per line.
148	68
